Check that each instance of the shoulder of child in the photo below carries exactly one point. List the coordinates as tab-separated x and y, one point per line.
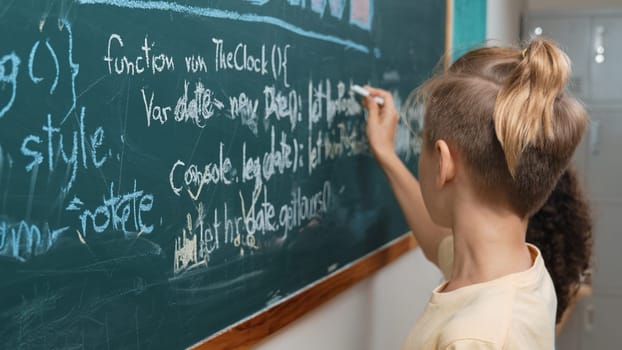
486	319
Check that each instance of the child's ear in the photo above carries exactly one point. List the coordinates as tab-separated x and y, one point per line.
446	164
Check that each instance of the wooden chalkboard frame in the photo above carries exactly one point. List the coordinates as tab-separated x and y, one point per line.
254	329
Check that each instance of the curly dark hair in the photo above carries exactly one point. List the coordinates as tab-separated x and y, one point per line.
562	230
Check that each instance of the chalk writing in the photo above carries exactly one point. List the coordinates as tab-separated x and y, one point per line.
195	64
279	63
83	151
281	157
408	136
303	208
54	58
283	105
258	219
197	108
246	108
185	248
155	112
23	240
321	101
345	103
324	105
194	179
136	65
73	67
361	14
119	212
345	140
9	65
241	58
274	113
202	236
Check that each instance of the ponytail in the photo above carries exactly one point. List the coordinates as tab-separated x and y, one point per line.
524	108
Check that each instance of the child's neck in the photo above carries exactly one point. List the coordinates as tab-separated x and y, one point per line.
488	243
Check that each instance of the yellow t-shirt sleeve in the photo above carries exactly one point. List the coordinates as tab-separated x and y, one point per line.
445	256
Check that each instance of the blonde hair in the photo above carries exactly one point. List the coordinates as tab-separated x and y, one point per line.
524	107
507	113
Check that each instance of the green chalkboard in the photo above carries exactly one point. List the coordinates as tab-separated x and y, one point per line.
168	169
469	26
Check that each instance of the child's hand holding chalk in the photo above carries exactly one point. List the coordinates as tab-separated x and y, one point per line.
382	118
361	91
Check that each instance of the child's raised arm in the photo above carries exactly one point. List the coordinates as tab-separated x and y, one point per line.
381	126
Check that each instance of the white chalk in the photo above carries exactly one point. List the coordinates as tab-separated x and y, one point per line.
361	91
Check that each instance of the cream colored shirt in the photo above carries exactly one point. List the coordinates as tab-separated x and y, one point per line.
516	311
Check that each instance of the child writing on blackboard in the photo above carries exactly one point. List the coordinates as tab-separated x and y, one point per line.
499	131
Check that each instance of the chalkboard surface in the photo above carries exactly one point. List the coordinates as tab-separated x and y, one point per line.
168	169
469	26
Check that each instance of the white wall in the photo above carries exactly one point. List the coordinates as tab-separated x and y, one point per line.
504	16
572	4
503	21
376	314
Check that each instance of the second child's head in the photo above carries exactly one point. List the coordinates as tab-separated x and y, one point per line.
499	124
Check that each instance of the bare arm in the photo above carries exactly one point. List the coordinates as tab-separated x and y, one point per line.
381	126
